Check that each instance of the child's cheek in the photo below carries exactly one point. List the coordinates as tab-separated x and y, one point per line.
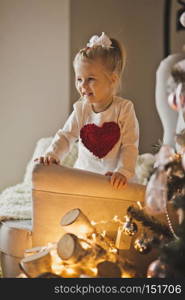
92	85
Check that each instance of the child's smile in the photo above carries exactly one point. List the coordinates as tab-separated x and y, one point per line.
87	94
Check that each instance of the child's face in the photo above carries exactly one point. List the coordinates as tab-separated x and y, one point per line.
93	82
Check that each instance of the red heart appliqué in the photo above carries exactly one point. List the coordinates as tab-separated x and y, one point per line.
100	140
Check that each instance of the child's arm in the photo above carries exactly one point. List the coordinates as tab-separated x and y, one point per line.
130	140
61	143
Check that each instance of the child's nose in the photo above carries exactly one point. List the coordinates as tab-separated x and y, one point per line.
84	84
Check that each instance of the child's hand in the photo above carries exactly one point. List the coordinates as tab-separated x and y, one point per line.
117	180
47	160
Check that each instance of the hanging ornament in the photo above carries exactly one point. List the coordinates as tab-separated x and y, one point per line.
159	269
143	244
156	193
129	227
164	156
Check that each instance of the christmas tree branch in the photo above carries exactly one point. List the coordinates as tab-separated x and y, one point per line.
149	222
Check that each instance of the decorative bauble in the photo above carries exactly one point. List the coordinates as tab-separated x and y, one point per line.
142	245
164	156
182	19
159	269
156	193
129	227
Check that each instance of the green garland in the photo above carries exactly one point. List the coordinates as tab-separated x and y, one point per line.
150	222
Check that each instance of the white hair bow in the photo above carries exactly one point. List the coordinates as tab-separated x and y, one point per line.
102	40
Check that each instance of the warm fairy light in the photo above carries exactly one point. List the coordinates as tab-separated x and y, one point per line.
85	245
82	231
101	222
94	237
139	204
93	223
70	271
127	218
103	233
116	219
113	250
94	271
57	263
88	266
21	275
57	268
56	259
89	262
126	275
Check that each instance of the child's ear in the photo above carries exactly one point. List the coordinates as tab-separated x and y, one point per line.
114	77
114	81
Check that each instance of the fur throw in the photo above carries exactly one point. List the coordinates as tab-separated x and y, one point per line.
16	201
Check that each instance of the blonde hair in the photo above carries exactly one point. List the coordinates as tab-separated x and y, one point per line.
113	58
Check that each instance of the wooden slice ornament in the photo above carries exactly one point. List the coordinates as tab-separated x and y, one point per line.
35	264
70	249
77	223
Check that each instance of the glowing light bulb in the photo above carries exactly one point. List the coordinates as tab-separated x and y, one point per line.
93	223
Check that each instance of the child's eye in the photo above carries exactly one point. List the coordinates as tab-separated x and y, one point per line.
91	78
79	79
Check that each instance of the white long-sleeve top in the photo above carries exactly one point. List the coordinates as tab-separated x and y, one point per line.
107	141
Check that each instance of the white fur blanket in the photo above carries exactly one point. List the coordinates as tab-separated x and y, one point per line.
16	201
